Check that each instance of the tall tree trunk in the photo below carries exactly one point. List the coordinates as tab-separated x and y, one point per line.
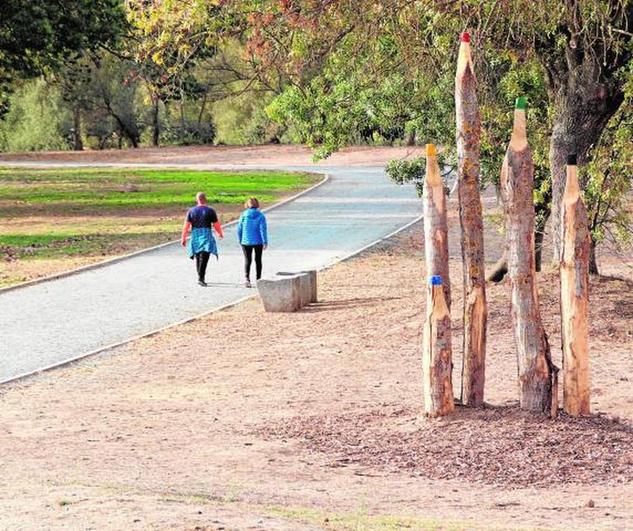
539	235
471	220
499	270
537	373
435	225
131	133
583	105
203	105
538	250
78	144
133	138
182	112
437	365
155	122
593	262
574	296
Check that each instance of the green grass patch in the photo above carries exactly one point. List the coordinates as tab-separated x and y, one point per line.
47	213
362	521
111	189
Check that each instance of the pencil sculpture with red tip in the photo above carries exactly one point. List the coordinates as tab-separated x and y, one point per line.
574	296
471	220
537	374
437	362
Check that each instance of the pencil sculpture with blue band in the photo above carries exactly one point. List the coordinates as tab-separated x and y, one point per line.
435	225
437	362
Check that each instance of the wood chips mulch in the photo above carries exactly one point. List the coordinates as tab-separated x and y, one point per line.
498	446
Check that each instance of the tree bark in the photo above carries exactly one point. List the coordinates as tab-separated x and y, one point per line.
202	109
539	234
583	105
537	373
499	270
78	144
471	220
593	262
437	365
128	132
155	122
435	225
574	297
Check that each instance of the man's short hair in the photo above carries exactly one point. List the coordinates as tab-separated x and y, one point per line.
201	197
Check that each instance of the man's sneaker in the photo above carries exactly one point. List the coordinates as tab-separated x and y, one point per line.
202	283
248	284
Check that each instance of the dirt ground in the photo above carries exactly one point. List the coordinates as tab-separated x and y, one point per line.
312	420
282	155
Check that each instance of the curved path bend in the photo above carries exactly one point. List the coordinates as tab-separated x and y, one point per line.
53	322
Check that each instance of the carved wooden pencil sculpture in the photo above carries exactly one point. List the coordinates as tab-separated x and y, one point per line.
471	220
437	354
537	374
437	364
574	296
435	226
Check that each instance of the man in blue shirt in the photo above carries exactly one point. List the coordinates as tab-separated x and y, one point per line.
202	244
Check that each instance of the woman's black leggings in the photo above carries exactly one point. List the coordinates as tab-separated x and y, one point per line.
248	260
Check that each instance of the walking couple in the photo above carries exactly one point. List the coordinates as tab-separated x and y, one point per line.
252	234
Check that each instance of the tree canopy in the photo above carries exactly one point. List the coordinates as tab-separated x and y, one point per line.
38	35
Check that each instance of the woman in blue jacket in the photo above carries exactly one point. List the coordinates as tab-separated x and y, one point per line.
252	234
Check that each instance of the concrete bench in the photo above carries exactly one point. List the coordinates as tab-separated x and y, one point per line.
288	292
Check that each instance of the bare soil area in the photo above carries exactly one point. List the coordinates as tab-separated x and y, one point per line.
312	420
266	155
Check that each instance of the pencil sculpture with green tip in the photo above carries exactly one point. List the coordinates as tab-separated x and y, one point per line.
470	215
574	296
537	374
437	364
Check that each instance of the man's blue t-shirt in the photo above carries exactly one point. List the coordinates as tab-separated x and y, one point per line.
202	217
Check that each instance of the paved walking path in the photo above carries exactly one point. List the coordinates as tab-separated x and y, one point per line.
46	324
